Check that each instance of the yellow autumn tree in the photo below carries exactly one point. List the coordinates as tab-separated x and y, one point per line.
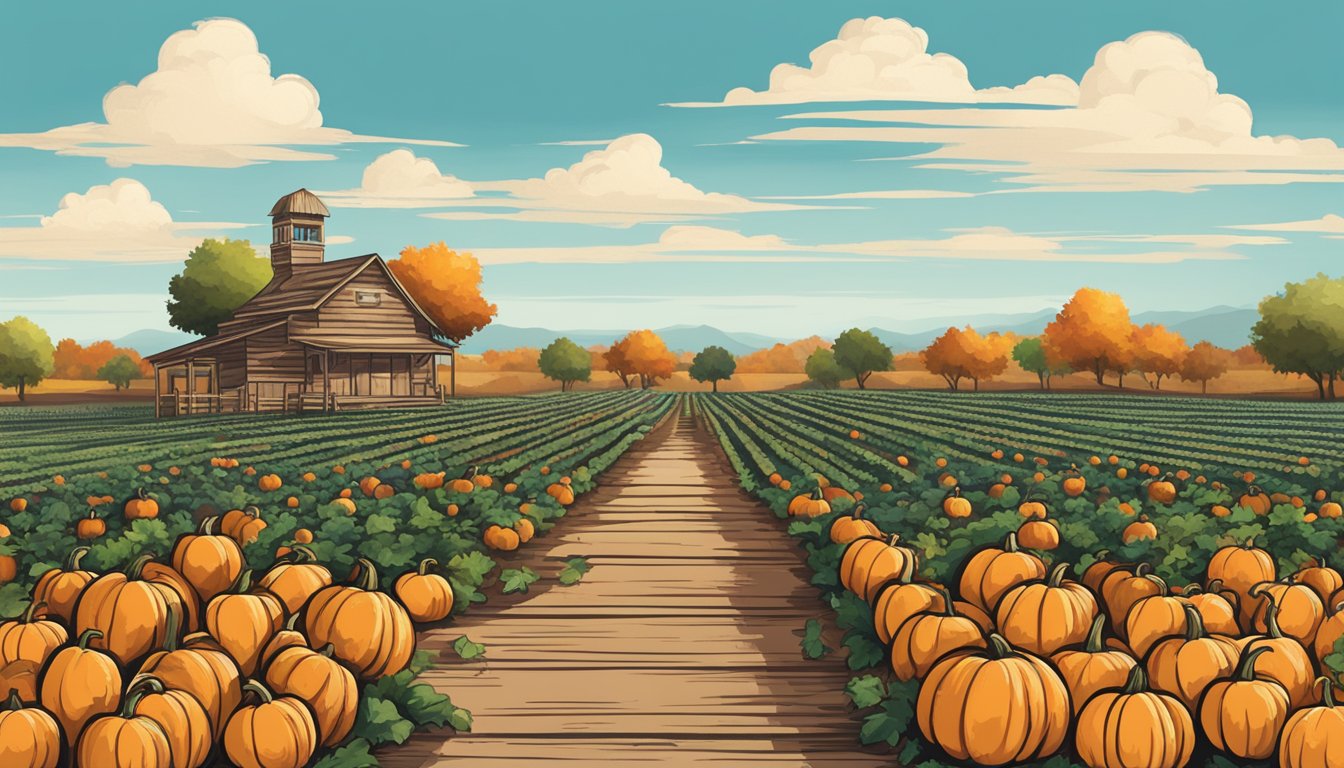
1091	333
447	286
640	356
963	353
1157	351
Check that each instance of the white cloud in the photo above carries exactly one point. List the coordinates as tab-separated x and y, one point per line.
117	222
1329	224
877	59
212	102
1149	117
399	179
1003	244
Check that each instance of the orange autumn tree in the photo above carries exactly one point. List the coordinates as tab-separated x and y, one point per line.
963	353
73	360
1091	333
781	358
521	359
640	356
447	286
1205	362
1157	351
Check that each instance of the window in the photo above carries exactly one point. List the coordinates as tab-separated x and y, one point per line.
368	298
307	234
281	234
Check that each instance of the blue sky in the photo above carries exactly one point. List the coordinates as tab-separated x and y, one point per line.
897	178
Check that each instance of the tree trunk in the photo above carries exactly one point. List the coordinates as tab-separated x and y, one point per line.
22	389
860	378
715	383
1099	371
977	384
1204	387
1040	375
1316	377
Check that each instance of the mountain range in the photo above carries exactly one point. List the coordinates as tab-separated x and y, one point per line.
1228	327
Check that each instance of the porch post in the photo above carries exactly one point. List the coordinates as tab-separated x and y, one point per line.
434	374
452	374
191	386
157	406
326	381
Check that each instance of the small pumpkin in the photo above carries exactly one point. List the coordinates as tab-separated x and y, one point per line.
561	492
1044	616
1074	484
990	573
427	596
1038	534
847	529
1256	500
525	529
29	737
180	716
140	506
79	684
210	562
1242	715
501	538
124	739
927	637
1313	736
1133	727
367	629
30	637
276	732
91	526
899	599
296	578
242	525
809	505
1142	529
129	611
868	563
955	505
1093	667
243	621
59	588
1032	508
1162	491
1186	666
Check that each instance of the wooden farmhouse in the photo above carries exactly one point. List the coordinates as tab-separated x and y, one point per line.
320	336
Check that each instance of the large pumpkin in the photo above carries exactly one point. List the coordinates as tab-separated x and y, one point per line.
847	529
129	612
1217	608
1242	715
994	707
203	669
125	739
1093	667
428	597
1332	629
898	600
1300	610
1289	664
868	563
1044	616
1121	592
318	679
210	562
1134	727
79	684
366	628
1321	578
925	638
296	578
1314	737
179	714
277	732
1154	618
1102	570
988	574
1239	568
243	621
1186	666
30	638
29	737
59	588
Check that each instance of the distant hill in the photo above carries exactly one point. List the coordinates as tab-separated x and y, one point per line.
150	340
679	338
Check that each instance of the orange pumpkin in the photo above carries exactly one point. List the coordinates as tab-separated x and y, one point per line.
1109	726
1140	530
428	597
140	506
129	611
1255	500
1217	608
79	684
1043	617
30	638
1242	715
901	598
29	737
276	732
1289	664
180	716
1122	591
1153	618
210	562
1162	491
927	637
525	530
242	525
200	667
1093	667
1186	666
319	680
1030	509
1331	630
990	573
1022	707
296	578
1038	534
124	739
243	621
867	563
501	538
809	505
1320	577
91	526
561	492
1300	611
367	629
956	506
1239	568
847	529
1074	484
428	480
1312	736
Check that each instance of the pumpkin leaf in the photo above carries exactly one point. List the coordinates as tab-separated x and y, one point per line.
460	720
467	649
353	755
575	568
470	568
379	722
866	691
426	706
892	721
518	579
813	647
13	599
863	652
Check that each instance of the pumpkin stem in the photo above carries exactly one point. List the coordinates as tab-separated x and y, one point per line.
470	473
948	608
1327	690
366	575
30	613
1271	614
93	513
859	509
1094	636
1142	569
141	494
208	526
895	537
73	559
1137	681
243	583
956	492
1010	543
1159	581
426	564
251	510
1246	667
86	636
141	686
999	647
1192	588
326	650
1194	623
1057	575
292	623
173	627
260	690
300	553
13	703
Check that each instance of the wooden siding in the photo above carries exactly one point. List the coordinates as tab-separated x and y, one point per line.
272	357
342	316
232	360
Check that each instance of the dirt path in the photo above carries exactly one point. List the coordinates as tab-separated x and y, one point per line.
679	647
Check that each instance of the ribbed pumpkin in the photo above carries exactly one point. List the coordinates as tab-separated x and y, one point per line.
925	638
990	573
318	679
809	505
276	732
179	714
955	505
124	739
59	588
501	538
79	684
1314	737
1022	707
1321	578
1332	629
1300	611
1134	727
140	506
242	525
296	578
868	563
847	529
129	612
1162	491
1217	608
29	737
209	561
1186	666
1103	569
20	677
367	629
1093	667
1044	616
561	492
1255	500
1240	567
1242	715
203	669
243	621
427	596
901	598
1153	618
1122	592
30	638
1289	664
1038	534
177	585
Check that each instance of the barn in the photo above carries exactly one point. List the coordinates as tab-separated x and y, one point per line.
320	336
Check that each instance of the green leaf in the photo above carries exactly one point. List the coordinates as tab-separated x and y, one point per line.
379	721
467	649
863	652
470	568
13	600
352	755
426	706
866	691
575	568
518	579
460	720
813	647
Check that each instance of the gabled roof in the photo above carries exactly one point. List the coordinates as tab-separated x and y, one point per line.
191	348
300	201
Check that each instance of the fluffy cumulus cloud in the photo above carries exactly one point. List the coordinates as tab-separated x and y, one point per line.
212	101
877	59
1149	116
399	179
118	222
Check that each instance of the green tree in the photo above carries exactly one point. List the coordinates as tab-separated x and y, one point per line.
713	364
566	362
862	354
1031	357
220	275
822	369
119	371
26	355
1302	331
